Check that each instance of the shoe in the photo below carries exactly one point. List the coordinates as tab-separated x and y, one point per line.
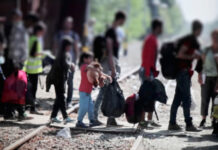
94	123
111	122
68	120
153	124
69	105
81	125
174	127
202	124
24	117
143	124
191	128
55	120
99	122
36	112
9	118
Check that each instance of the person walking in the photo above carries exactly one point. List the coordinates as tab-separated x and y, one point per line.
58	76
67	30
148	69
188	50
208	77
110	63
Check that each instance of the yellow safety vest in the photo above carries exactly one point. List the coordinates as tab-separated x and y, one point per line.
215	111
33	65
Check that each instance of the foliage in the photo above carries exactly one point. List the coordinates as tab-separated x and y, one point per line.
138	13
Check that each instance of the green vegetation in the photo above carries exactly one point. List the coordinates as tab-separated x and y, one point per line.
139	17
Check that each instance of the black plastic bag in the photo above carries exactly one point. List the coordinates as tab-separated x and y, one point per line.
113	103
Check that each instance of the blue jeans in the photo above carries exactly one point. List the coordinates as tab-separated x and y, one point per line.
85	105
70	87
182	96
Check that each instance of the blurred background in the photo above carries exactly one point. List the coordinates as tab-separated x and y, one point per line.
176	14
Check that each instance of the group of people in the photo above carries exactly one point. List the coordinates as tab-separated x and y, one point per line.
188	49
24	52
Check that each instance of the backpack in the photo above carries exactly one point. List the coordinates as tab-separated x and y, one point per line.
132	110
99	47
168	60
113	103
15	87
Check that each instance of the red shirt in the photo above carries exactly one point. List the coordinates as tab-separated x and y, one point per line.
85	85
149	55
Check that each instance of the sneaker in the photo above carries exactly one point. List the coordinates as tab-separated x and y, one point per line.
68	120
191	128
202	124
69	105
36	112
80	125
174	127
94	123
143	124
9	118
111	122
55	120
24	117
153	124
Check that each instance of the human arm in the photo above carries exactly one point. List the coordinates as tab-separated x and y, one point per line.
109	45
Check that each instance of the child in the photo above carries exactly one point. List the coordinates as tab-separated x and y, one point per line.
33	65
58	76
90	75
215	117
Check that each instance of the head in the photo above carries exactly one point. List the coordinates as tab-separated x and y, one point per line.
16	16
68	23
197	28
214	37
157	27
120	18
31	20
39	29
86	58
66	44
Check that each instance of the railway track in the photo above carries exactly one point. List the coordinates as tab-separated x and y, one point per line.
137	144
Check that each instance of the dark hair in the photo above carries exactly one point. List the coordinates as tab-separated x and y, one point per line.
65	41
156	23
120	15
196	25
83	56
34	18
17	12
39	27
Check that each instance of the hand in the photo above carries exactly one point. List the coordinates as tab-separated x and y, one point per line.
110	79
113	74
72	67
200	79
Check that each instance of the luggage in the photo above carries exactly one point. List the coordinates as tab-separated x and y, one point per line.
113	103
133	110
151	91
159	91
168	60
15	87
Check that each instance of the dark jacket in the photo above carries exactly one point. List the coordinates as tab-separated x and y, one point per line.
59	72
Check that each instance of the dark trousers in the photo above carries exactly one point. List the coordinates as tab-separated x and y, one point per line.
70	87
59	103
33	79
207	93
182	96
